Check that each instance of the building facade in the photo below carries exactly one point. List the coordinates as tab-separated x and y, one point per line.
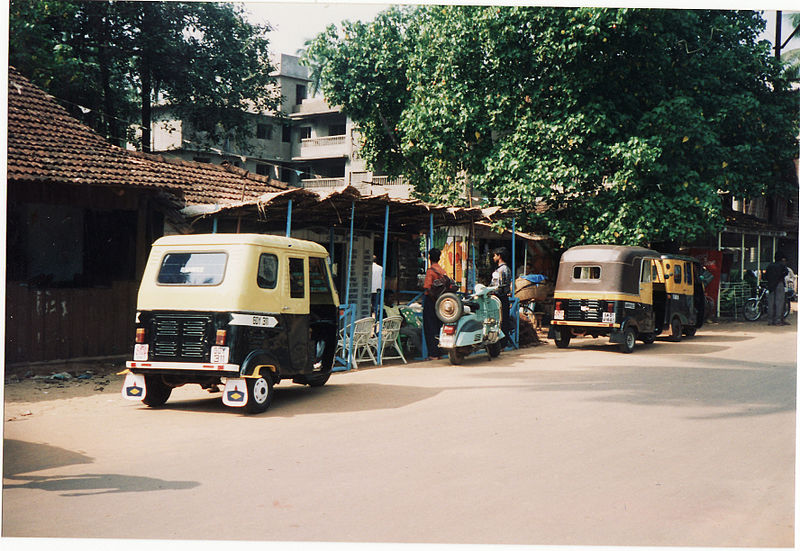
307	144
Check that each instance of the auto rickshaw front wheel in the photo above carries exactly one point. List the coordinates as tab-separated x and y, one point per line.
677	329
628	340
156	391
259	394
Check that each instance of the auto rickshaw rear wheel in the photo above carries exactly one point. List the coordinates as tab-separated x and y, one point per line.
157	391
689	331
648	338
561	337
259	394
628	340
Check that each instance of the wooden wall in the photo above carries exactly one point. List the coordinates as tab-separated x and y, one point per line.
49	324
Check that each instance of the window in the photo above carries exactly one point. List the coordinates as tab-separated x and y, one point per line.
263	170
677	273
318	277
337	130
586	272
647	271
264	132
201	159
300	92
267	271
286	135
192	269
688	272
297	278
305	132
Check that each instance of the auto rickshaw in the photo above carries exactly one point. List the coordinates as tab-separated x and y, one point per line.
240	310
625	293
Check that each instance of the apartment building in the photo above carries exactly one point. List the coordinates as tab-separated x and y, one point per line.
308	144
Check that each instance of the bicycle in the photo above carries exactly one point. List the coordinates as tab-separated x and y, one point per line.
756	307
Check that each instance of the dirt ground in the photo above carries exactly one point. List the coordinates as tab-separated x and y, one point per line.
77	380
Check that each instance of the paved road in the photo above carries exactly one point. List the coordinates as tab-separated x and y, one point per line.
677	444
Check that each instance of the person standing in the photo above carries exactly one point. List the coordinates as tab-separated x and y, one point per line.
377	281
776	273
431	324
501	278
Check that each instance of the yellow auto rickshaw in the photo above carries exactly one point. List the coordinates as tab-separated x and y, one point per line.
625	293
240	310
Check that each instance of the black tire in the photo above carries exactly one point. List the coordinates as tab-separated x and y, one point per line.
157	392
494	349
751	310
628	340
648	338
318	380
457	355
690	331
561	336
259	394
449	308
677	329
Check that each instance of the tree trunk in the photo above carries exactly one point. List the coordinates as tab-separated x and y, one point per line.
146	75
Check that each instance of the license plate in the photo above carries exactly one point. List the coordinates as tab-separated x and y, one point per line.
140	352
558	315
608	317
447	341
219	354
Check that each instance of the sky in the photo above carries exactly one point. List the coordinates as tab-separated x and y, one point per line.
298	21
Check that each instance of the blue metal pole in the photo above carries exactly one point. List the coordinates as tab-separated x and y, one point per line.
289	220
383	285
214	228
515	340
349	323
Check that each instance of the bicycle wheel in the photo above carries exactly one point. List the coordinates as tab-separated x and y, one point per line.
752	309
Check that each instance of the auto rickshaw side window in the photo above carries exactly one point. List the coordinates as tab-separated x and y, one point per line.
586	272
267	271
192	269
688	272
318	276
297	278
677	273
647	271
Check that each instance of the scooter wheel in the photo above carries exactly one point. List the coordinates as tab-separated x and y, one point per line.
449	308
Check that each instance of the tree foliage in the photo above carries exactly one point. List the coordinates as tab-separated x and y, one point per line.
601	125
202	58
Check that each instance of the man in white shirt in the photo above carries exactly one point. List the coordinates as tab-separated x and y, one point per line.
377	280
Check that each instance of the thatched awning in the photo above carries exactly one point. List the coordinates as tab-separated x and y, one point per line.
332	208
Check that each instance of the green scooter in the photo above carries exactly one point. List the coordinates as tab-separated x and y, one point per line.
470	323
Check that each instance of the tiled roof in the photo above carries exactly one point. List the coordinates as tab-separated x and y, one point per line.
46	144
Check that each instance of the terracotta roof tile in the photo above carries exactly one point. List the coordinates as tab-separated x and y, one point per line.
47	144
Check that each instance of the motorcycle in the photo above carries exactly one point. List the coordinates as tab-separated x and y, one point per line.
756	307
470	324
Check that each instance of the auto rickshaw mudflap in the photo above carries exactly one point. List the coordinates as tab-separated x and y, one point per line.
617	335
235	393
134	387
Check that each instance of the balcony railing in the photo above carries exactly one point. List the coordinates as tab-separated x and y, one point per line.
322	182
328	146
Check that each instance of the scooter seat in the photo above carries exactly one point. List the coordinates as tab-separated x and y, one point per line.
473	306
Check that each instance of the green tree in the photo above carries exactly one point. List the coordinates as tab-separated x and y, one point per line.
203	59
600	125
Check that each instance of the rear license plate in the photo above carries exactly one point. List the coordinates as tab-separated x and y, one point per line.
447	341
